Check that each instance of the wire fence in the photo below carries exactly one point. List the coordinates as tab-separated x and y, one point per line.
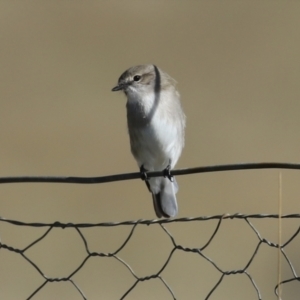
176	246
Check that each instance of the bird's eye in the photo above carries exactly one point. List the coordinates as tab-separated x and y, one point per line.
137	78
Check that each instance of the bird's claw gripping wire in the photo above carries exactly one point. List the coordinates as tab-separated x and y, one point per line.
144	177
143	172
167	173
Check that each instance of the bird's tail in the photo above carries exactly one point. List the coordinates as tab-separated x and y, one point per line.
165	203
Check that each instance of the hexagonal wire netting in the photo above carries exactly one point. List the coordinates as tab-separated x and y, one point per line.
176	247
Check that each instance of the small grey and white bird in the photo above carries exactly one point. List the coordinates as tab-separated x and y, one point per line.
156	124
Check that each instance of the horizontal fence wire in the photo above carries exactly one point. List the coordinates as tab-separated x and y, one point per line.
136	175
161	222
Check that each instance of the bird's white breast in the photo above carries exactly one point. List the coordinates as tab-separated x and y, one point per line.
155	139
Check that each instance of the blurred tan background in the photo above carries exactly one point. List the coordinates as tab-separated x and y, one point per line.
238	69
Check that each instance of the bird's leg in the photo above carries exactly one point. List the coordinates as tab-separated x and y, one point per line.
144	176
143	172
167	172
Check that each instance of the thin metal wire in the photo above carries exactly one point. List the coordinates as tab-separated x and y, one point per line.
149	222
136	175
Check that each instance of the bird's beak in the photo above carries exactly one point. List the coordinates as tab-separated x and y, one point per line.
119	87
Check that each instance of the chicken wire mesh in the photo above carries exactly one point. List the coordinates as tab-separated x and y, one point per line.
176	246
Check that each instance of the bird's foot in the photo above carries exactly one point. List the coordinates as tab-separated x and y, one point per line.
167	173
143	172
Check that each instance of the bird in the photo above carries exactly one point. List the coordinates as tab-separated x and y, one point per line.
156	126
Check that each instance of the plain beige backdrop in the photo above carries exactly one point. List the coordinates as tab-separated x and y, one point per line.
238	69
